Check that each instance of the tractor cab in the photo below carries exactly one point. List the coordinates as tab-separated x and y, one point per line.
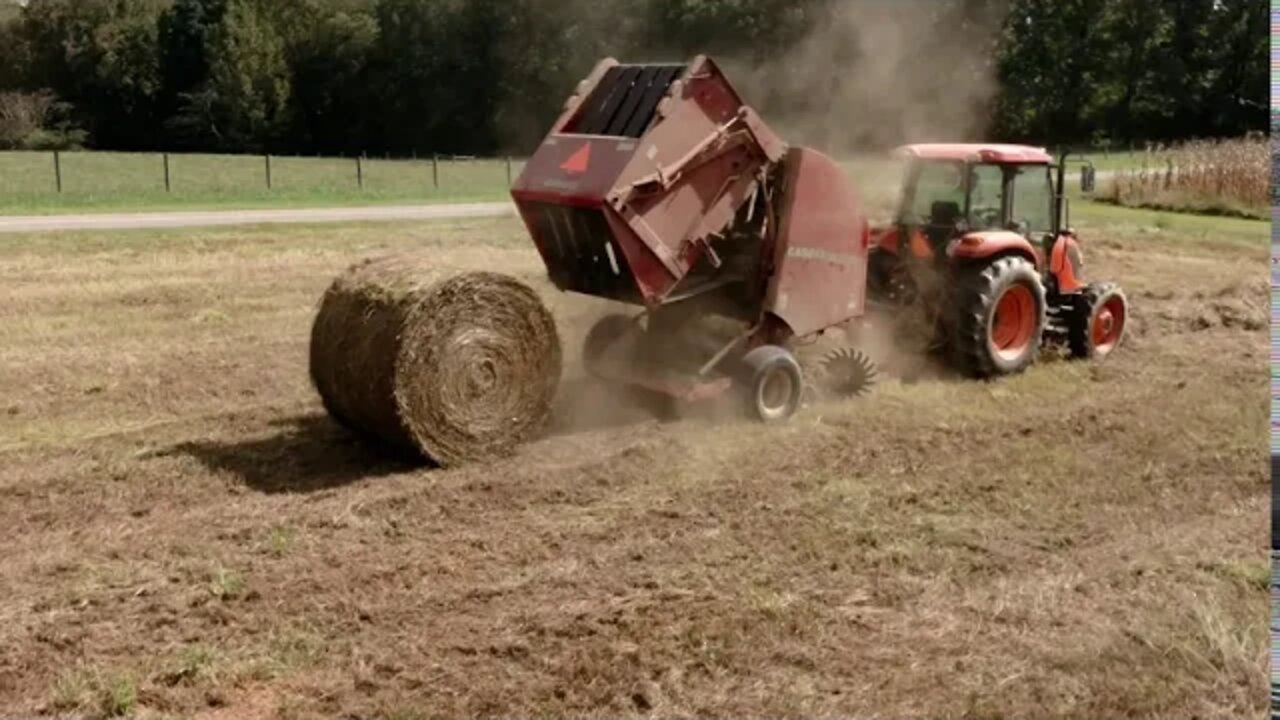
953	191
979	240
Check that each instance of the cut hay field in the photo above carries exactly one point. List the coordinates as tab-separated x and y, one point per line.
186	534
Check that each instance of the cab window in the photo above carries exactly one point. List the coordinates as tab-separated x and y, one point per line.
986	197
1033	200
938	182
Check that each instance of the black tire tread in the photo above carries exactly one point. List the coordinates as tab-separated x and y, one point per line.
1080	321
975	293
758	361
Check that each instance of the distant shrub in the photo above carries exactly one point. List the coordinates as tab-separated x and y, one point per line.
35	121
55	139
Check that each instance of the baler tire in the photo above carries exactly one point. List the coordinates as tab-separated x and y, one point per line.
1088	338
772	384
986	343
607	331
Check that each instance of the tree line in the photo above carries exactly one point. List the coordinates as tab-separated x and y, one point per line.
487	76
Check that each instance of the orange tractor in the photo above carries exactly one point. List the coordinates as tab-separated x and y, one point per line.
981	251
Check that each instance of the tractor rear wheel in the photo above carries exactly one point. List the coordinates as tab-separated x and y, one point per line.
772	383
1096	324
998	317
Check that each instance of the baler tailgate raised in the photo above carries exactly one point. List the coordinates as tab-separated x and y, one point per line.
582	255
654	161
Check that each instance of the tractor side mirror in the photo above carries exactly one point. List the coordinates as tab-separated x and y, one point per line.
1087	179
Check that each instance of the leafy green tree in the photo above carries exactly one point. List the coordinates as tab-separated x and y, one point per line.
100	57
1183	71
1047	68
185	29
185	32
753	29
1133	35
415	66
328	53
248	87
481	76
1237	98
15	61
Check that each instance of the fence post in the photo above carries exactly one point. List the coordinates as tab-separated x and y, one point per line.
268	159
359	173
57	169
435	170
167	186
508	170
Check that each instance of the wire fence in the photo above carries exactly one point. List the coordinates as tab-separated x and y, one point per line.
106	177
38	181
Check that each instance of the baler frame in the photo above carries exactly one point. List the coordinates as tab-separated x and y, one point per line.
699	209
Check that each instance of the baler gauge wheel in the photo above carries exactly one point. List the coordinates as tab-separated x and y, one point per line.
773	384
847	373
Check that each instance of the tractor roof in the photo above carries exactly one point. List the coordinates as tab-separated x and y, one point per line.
978	152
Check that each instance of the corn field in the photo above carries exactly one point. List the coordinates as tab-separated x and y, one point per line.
1219	176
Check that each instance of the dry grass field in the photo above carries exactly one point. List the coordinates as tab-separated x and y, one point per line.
1227	177
185	534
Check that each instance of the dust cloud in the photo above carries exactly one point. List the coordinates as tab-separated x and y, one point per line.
870	75
865	75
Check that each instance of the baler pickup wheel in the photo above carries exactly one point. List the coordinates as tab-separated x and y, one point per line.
772	384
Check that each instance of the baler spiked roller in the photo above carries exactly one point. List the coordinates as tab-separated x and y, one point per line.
846	372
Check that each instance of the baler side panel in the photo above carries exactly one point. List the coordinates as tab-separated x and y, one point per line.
701	203
706	195
820	265
574	170
651	277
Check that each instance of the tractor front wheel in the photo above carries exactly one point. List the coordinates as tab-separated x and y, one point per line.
998	317
772	383
1096	324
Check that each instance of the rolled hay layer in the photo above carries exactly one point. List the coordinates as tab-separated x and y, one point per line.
455	365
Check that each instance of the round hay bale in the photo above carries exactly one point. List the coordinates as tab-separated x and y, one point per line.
454	365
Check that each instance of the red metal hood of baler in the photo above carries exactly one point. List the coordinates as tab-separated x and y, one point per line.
597	134
617	196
